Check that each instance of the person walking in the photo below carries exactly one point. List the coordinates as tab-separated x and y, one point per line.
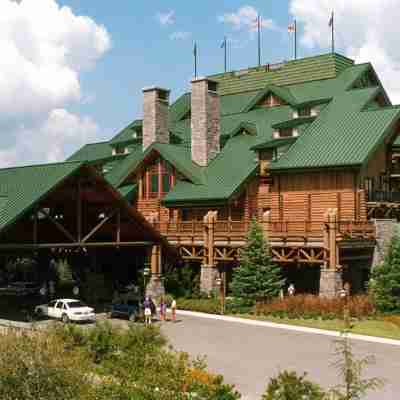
163	309
173	310
147	311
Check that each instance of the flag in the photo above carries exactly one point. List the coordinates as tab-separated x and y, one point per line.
291	28
195	49
331	20
223	44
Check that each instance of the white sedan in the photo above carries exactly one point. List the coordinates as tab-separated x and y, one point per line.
66	310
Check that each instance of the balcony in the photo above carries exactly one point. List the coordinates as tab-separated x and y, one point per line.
277	231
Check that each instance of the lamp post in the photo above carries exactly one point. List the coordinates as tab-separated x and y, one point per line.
146	273
345	294
220	281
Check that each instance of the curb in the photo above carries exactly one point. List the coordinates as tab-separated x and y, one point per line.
274	325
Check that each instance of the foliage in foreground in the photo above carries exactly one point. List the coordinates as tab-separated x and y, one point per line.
350	370
310	306
102	363
290	386
385	279
257	277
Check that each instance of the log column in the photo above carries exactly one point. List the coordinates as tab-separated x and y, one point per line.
331	278
209	271
155	287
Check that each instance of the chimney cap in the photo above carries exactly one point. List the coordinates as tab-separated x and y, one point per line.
155	88
202	78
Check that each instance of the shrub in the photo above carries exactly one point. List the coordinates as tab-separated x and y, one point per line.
103	364
211	305
385	279
290	386
37	366
310	306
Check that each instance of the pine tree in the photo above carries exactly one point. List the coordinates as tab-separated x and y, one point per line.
257	277
385	279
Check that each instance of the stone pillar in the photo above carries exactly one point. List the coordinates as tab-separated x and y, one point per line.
205	121
384	228
155	287
330	282
208	275
155	116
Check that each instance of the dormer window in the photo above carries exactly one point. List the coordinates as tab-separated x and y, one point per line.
271	100
118	150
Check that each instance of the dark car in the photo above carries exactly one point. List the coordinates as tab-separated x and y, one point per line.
131	309
23	288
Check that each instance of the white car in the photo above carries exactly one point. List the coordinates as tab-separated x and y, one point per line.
66	310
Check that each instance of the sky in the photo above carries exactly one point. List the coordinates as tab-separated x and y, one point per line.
72	71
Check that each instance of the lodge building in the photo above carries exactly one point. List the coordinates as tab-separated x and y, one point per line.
310	148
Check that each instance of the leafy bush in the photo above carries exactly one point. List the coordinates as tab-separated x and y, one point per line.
310	306
210	306
37	366
290	386
103	363
385	279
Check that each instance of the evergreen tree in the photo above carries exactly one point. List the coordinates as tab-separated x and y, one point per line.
257	277
385	279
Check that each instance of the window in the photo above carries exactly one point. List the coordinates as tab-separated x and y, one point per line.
52	303
59	304
285	133
304	112
158	179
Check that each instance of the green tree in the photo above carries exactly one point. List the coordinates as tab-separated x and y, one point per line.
385	279
350	370
64	273
257	277
290	386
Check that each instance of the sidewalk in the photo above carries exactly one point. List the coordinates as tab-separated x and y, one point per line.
267	324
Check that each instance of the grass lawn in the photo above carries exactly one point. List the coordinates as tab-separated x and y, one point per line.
371	327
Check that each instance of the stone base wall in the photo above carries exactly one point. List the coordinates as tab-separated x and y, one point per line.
330	283
208	276
385	229
155	288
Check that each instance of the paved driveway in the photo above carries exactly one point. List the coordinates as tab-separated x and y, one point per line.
248	355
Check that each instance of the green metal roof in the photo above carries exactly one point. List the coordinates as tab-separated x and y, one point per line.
308	69
273	144
128	134
22	187
92	152
344	133
292	123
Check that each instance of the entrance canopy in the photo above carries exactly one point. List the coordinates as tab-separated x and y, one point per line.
67	205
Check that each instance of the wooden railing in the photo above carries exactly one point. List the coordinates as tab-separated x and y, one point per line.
276	230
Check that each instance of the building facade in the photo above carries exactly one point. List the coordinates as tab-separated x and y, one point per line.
309	148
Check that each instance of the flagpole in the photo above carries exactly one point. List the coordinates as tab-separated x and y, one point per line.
259	40
333	33
195	59
225	51
295	39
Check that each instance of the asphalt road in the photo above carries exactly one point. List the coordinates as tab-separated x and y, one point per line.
248	355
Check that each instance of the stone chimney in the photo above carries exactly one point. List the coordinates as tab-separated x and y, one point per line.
205	110
155	116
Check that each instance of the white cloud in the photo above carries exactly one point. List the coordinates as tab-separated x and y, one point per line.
366	30
44	49
245	18
167	18
180	35
51	140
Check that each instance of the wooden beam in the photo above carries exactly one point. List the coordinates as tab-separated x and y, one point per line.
58	225
98	226
31	246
